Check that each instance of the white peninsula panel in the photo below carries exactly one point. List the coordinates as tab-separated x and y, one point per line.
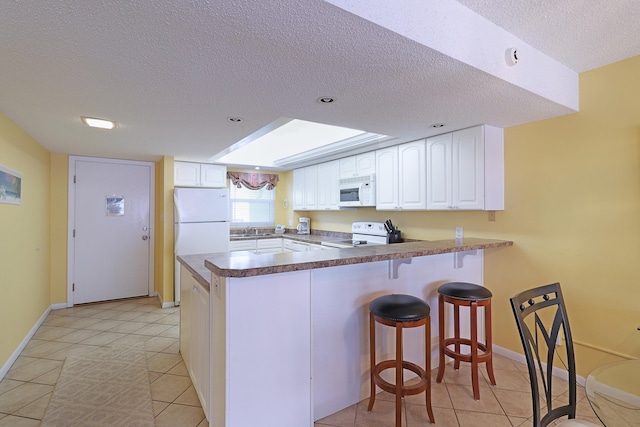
340	298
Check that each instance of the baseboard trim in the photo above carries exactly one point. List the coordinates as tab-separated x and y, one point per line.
5	368
517	357
163	304
59	306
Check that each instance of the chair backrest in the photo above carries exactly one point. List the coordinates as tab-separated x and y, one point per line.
542	321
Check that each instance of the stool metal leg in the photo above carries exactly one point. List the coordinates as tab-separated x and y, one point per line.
372	344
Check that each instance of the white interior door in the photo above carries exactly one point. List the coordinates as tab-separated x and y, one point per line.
112	214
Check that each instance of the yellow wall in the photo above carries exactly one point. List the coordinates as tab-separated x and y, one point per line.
59	187
572	209
163	235
24	239
572	192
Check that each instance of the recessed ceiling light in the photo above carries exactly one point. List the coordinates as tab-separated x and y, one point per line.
326	100
257	168
234	119
437	125
98	123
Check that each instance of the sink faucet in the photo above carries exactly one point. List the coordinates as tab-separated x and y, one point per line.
246	229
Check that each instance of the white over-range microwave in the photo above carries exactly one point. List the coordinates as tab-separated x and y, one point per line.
358	191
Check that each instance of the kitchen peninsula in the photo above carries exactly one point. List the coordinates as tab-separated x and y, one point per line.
288	332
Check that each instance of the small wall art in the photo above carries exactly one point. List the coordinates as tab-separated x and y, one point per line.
10	186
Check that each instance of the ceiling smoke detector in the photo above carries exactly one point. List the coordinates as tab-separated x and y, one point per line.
512	56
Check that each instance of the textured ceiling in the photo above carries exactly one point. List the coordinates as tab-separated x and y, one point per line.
172	72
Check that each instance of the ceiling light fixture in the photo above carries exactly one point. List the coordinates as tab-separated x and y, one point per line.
234	119
286	142
326	100
98	123
437	125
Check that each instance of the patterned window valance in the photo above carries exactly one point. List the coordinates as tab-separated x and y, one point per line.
253	181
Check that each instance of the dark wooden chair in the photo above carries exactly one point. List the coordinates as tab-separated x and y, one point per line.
542	321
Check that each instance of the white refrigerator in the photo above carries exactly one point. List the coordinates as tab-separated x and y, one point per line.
201	224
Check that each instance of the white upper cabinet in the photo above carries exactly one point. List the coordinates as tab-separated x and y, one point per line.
298	189
305	188
188	174
361	164
328	177
401	177
465	170
311	187
387	178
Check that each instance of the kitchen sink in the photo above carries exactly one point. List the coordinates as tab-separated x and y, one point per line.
252	235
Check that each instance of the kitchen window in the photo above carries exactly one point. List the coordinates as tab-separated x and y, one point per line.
253	208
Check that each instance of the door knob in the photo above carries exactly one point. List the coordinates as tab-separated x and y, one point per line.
145	237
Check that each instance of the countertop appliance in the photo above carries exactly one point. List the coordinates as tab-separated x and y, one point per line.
364	234
201	224
304	227
359	191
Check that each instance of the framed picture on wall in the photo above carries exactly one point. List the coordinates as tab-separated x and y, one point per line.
10	186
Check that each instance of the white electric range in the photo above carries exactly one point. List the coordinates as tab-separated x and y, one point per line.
364	234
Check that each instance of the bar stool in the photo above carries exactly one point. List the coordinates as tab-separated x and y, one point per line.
472	296
400	311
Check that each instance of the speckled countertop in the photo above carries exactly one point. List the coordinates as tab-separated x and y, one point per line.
247	264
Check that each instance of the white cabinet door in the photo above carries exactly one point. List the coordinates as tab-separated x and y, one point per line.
269	246
194	335
412	179
200	345
465	170
387	179
242	245
468	169
298	189
188	174
366	163
305	188
439	174
186	283
401	177
311	187
361	164
328	177
214	176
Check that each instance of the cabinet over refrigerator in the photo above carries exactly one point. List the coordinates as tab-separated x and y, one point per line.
201	224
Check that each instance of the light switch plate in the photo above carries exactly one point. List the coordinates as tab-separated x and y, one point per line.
459	233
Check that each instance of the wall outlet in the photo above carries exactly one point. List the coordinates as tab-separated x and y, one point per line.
459	233
492	215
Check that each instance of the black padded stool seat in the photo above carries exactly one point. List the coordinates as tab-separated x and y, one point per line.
399	308
460	294
400	311
466	291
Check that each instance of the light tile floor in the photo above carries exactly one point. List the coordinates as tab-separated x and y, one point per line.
26	389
